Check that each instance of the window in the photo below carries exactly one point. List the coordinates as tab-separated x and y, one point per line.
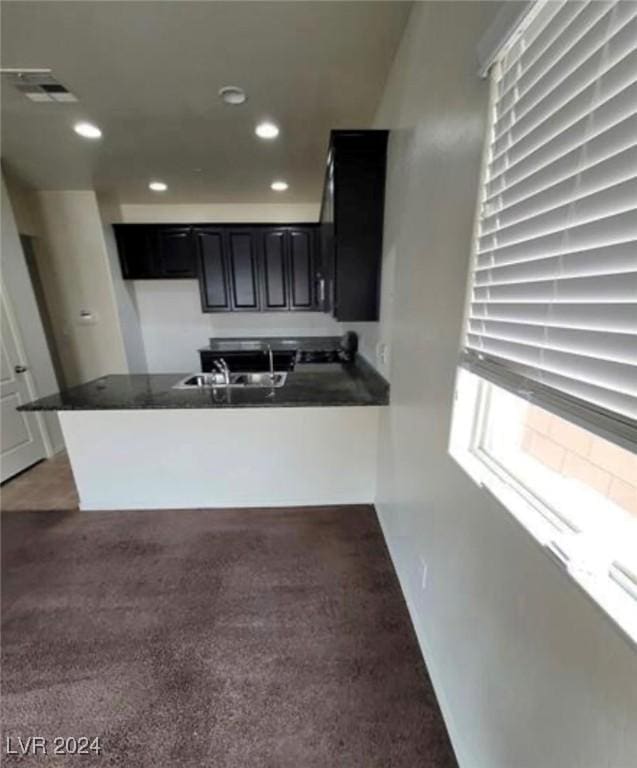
546	411
574	491
588	484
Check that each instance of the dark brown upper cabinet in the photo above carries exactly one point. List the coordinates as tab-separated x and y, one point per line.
137	251
302	269
243	266
274	270
213	267
257	267
289	268
228	269
176	252
148	251
351	234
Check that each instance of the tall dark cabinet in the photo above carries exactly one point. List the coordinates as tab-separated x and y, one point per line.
351	228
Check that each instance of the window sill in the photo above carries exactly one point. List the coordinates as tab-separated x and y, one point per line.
547	531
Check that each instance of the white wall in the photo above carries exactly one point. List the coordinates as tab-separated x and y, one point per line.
124	292
173	327
223	457
17	282
244	213
23	206
75	274
529	671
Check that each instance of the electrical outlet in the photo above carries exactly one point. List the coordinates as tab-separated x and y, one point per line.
424	572
382	353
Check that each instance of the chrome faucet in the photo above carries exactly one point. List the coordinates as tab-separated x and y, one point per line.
271	361
222	367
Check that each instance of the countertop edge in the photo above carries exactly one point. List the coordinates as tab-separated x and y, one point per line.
368	389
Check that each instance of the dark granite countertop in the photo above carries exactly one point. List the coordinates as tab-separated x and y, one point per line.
331	384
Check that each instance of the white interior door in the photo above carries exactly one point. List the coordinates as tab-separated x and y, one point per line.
21	441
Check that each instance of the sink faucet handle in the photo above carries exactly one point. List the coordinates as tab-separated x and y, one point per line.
270	360
221	365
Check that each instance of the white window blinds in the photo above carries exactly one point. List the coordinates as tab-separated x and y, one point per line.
553	310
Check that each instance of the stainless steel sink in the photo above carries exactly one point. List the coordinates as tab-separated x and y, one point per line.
217	380
258	379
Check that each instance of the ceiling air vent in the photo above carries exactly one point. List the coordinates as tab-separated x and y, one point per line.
39	85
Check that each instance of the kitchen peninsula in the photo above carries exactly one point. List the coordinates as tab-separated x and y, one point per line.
146	441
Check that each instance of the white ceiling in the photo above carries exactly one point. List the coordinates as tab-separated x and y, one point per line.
148	74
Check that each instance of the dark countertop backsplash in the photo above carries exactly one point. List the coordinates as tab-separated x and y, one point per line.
277	343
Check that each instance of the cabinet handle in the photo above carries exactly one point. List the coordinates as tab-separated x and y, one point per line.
322	290
20	369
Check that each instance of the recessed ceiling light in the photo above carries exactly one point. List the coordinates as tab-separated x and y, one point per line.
232	94
279	186
267	130
87	130
158	186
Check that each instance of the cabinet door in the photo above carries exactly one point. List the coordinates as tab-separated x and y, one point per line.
213	277
359	183
302	274
274	270
325	253
137	252
177	257
242	262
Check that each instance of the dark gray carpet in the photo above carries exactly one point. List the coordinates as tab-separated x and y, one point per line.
235	638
